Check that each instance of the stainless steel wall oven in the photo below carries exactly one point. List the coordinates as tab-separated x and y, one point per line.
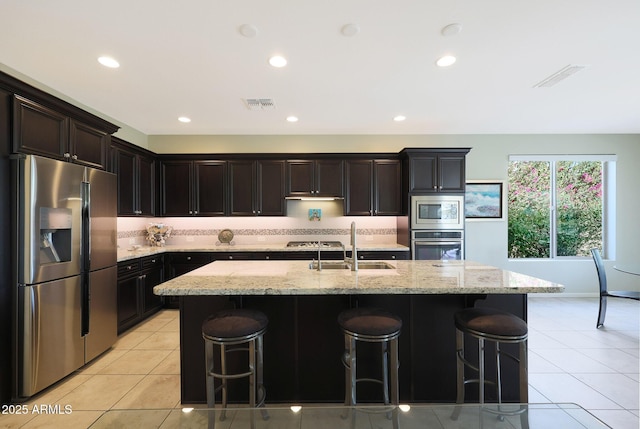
437	244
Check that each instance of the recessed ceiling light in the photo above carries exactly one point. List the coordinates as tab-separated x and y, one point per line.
248	30
451	29
446	61
292	118
399	118
184	119
278	61
350	30
109	62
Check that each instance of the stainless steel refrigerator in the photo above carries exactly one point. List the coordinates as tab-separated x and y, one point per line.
66	305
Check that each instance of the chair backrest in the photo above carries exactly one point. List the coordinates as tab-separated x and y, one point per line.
602	276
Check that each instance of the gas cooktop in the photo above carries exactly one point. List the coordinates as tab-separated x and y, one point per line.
323	244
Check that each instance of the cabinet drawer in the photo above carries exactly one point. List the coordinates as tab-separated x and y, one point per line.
128	267
152	262
190	258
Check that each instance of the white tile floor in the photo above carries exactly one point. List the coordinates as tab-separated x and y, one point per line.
569	361
572	361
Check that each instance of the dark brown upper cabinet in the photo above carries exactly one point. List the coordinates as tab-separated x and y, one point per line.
43	131
136	181
256	188
373	187
193	188
315	178
432	171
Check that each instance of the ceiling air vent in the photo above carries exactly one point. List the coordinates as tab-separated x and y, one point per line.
558	76
260	103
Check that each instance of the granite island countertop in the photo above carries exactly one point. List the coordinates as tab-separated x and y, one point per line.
126	254
407	277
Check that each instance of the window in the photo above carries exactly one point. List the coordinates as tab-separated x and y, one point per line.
556	205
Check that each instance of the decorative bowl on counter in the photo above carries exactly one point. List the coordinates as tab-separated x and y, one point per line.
157	233
225	236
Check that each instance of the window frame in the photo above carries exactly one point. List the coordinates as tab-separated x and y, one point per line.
608	202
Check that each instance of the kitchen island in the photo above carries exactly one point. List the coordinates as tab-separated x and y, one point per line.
303	343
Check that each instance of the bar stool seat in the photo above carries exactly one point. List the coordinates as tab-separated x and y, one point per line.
499	327
243	328
376	326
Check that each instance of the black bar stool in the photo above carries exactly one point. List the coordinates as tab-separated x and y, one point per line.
375	326
499	327
236	327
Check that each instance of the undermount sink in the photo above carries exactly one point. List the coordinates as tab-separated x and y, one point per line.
362	265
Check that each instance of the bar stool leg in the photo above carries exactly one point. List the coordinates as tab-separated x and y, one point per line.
524	385
459	374
385	375
223	382
262	393
211	393
395	394
252	382
481	374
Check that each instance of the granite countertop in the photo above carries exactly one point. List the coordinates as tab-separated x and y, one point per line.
125	254
408	277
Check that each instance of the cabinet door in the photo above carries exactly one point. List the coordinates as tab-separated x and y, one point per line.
176	188
151	278
270	185
125	168
128	309
387	188
241	188
452	173
38	129
329	178
146	188
423	174
300	178
210	188
358	198
88	146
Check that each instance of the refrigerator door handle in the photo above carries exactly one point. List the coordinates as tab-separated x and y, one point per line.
32	325
85	249
85	296
85	246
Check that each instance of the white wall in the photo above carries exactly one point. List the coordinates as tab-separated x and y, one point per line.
486	241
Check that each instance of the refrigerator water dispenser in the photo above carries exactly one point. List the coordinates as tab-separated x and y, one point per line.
55	235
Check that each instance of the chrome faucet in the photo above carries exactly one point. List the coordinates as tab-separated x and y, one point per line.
353	260
319	250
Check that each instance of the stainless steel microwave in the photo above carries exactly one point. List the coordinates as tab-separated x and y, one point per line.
437	212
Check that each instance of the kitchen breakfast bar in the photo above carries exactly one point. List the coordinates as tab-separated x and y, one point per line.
303	343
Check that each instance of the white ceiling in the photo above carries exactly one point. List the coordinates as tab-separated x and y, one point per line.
189	58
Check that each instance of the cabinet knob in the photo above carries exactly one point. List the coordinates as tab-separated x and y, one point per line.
435	187
393	256
259	211
190	211
75	157
67	155
188	258
153	261
267	257
230	257
195	212
129	267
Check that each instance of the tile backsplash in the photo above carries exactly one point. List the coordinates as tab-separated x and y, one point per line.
268	229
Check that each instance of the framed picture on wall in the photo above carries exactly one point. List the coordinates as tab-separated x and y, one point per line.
485	200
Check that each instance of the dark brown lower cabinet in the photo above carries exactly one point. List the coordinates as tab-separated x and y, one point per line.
303	346
136	280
